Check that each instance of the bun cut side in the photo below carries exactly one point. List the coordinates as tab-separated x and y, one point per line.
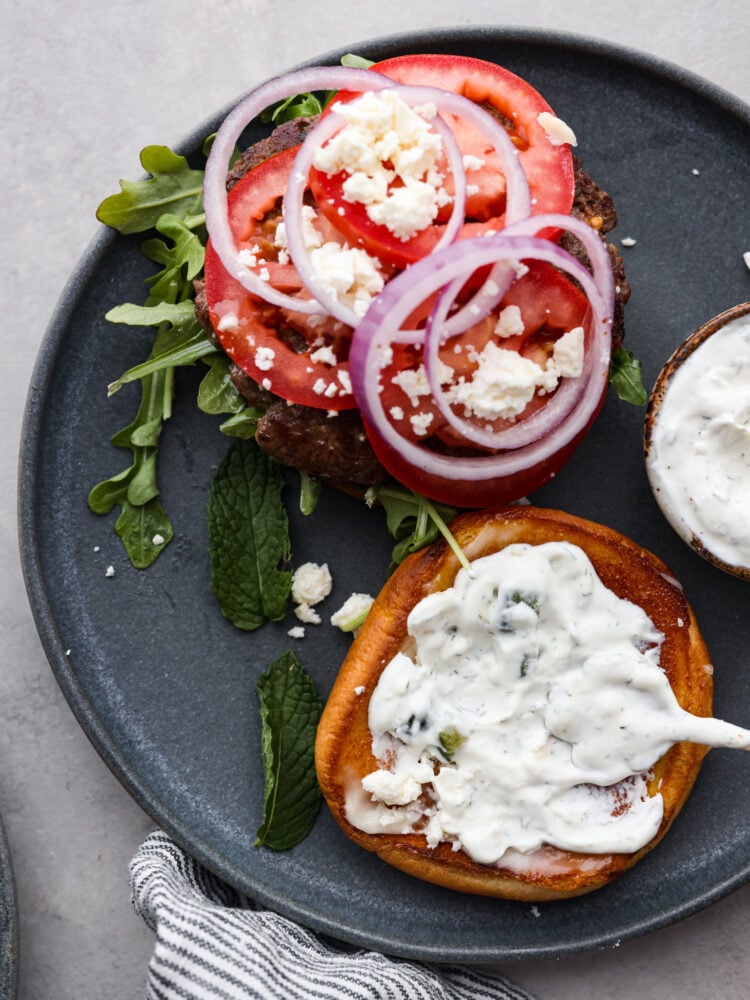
344	747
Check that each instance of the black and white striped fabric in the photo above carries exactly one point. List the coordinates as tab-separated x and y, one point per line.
212	943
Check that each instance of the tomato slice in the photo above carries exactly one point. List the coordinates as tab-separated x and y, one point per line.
549	305
298	358
548	167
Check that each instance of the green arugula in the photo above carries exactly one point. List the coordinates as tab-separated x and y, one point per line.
143	525
249	537
626	378
290	712
174	188
414	521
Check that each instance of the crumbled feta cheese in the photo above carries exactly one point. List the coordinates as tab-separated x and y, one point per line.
158	539
503	383
312	238
349	274
307	614
354	607
264	358
385	141
247	257
472	162
325	356
109	571
319	386
628	241
346	383
296	632
398	789
420	423
396	413
413	381
567	354
557	131
746	258
509	322
229	321
311	583
360	689
266	383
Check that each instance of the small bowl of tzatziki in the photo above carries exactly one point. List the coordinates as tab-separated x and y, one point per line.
697	440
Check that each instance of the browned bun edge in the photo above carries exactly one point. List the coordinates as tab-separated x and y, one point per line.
343	750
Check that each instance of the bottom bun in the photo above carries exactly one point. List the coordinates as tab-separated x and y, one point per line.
344	754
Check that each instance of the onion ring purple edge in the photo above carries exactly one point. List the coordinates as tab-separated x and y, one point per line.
465	256
567	395
217	165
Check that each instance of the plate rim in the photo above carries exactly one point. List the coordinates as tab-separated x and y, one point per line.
84	710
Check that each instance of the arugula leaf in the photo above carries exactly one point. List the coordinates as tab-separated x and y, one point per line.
295	106
309	493
187	346
217	393
248	537
359	62
135	490
172	187
171	203
290	711
626	379
414	521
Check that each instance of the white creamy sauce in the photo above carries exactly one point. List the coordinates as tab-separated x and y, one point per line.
699	457
528	711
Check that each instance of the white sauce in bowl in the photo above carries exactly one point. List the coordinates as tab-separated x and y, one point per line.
529	712
698	456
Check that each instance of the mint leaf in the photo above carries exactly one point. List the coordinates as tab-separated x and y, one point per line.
626	379
173	188
248	537
290	711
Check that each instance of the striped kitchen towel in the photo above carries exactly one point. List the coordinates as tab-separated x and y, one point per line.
211	943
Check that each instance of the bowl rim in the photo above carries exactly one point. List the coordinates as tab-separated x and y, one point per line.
656	399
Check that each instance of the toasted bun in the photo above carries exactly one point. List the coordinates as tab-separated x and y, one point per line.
344	748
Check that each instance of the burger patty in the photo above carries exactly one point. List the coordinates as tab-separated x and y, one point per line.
334	447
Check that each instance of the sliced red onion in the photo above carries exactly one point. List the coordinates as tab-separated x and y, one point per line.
380	327
217	165
297	184
569	391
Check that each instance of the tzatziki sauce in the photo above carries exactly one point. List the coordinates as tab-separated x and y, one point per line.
698	458
527	708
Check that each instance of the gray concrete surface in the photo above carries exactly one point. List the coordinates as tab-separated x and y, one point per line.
84	86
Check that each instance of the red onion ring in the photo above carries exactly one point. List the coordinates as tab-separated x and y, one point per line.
568	393
217	165
379	328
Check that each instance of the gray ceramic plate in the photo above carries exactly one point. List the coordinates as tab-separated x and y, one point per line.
8	924
165	688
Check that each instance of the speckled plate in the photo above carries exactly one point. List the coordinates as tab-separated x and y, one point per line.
8	924
165	687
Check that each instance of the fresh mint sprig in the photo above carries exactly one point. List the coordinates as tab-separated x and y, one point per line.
290	711
249	537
